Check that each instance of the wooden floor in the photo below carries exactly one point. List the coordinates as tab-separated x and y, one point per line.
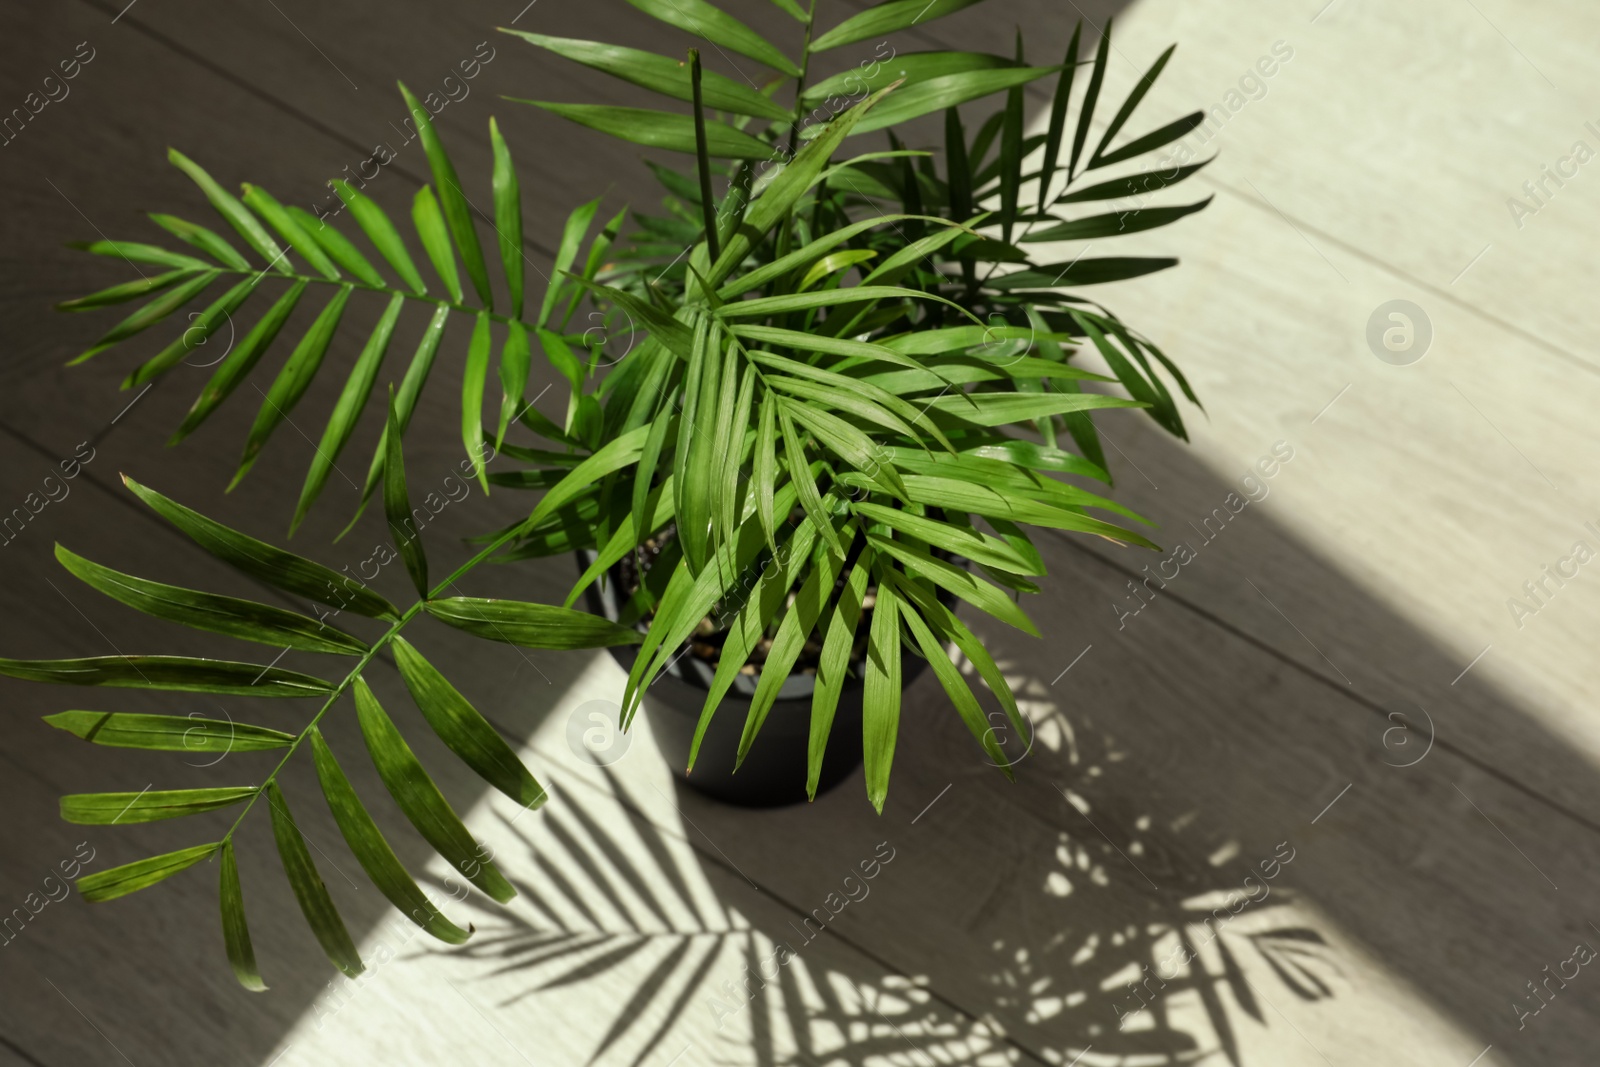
1246	719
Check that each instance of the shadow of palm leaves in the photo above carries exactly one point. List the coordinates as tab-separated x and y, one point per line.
1146	921
633	906
1132	938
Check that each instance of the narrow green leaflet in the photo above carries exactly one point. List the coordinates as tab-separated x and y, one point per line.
1058	115
237	214
1001	475
1011	154
802	478
886	18
148	315
657	129
131	877
809	253
1091	97
121	294
898	264
617	453
293	380
764	467
342	423
713	436
892	412
881	697
640	516
149	805
266	563
988	501
936	94
373	852
961	541
835	261
266	205
1125	112
944	622
1133	185
180	674
518	622
955	687
847	442
962	583
1017	541
208	241
1024	370
337	246
1083	272
421	800
1114	223
729	496
435	235
235	930
134	252
812	598
1003	409
315	903
244	619
1150	392
572	234
953	339
466	732
507	218
836	346
514	363
907	68
397	506
669	77
774	305
711	23
374	222
168	733
406	398
198	332
1039	458
238	363
1172	131
759	610
472	383
828	394
833	665
991	503
692	458
457	212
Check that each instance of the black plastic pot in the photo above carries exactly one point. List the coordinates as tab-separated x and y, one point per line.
774	773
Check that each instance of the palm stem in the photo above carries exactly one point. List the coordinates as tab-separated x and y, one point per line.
377	646
708	209
782	245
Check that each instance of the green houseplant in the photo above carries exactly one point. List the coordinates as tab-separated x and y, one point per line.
815	441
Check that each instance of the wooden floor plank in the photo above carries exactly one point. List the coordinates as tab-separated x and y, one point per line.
1216	724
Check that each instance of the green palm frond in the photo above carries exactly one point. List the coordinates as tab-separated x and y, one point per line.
323	267
450	716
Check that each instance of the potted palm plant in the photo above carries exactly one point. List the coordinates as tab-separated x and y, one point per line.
852	387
